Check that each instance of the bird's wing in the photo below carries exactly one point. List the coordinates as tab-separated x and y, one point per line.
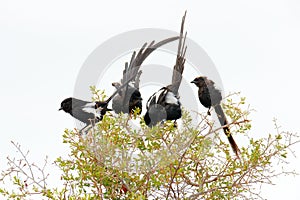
151	101
166	96
79	103
180	60
161	96
133	68
214	94
158	97
84	113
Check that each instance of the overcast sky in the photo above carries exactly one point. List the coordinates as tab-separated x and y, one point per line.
255	46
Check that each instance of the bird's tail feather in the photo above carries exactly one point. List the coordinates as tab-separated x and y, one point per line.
223	121
133	68
180	60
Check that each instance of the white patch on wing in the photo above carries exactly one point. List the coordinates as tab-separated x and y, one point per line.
171	98
154	96
90	105
89	108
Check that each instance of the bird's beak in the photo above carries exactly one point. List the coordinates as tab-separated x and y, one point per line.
60	109
193	81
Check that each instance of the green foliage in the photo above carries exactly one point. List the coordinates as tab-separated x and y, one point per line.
117	160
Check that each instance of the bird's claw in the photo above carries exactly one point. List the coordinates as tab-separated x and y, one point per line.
208	113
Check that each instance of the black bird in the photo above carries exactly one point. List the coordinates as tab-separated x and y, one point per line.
86	111
210	96
165	104
130	97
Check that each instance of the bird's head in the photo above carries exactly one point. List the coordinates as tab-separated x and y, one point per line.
66	105
199	81
116	85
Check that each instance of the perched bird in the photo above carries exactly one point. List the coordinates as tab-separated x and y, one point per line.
165	104
86	111
129	98
210	96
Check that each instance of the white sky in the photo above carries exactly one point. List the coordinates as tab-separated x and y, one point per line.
255	46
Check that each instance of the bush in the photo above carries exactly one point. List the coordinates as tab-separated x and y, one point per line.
116	160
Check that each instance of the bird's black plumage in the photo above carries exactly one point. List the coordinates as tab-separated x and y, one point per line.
210	96
162	105
130	97
165	104
86	111
207	93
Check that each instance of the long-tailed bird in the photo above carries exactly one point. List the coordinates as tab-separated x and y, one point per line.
210	96
129	98
165	104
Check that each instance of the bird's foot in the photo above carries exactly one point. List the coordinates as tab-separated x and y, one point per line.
208	113
175	124
85	129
